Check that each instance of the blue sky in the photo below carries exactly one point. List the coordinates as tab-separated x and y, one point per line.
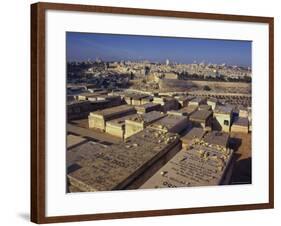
109	47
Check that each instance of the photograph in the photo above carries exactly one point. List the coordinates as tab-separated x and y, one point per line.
152	112
139	112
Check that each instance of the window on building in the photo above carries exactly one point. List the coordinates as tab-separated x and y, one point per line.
226	122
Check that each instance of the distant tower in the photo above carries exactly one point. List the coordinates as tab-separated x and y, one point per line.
167	62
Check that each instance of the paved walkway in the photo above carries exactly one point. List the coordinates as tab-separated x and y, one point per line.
92	134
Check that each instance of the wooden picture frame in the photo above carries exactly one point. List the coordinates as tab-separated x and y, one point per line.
38	102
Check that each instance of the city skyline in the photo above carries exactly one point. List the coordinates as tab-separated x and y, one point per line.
112	47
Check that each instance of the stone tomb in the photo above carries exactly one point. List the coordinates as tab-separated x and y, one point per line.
212	102
197	101
171	123
182	100
205	107
116	127
86	96
167	103
81	109
222	118
240	125
82	155
243	112
135	98
73	140
121	164
114	100
185	111
97	119
192	136
148	107
201	118
199	166
217	138
138	122
146	100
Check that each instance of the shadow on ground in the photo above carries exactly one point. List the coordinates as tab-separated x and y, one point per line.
235	143
242	171
24	216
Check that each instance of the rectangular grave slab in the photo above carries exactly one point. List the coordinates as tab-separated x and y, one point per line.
198	166
73	140
192	136
185	111
148	107
120	164
240	125
98	119
116	127
171	123
138	122
83	154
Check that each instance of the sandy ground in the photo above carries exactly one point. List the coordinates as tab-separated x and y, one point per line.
242	170
81	128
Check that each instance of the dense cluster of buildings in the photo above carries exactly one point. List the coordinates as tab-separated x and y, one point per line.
116	74
120	139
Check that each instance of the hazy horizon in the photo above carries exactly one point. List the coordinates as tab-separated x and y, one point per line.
112	47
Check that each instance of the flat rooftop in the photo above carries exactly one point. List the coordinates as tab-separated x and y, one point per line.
200	115
106	97
185	110
119	122
221	109
169	122
194	133
83	154
241	122
136	96
163	99
217	138
112	111
146	117
199	166
147	105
